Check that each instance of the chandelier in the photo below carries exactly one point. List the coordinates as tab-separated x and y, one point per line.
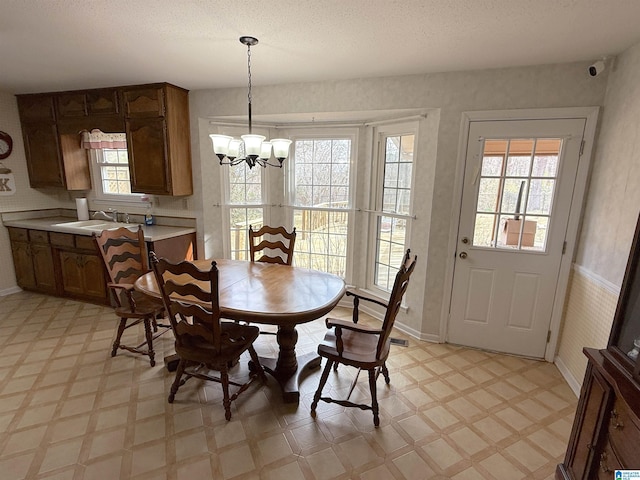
257	150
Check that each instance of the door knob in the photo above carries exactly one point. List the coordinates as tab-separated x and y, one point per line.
463	255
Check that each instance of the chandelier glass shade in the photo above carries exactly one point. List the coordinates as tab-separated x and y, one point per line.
250	148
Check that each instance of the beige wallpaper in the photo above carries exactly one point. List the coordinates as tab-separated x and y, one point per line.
610	215
613	200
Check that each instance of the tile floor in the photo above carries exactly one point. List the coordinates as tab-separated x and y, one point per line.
70	411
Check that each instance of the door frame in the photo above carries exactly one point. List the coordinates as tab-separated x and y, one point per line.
590	114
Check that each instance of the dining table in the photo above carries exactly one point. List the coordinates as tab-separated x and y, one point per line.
273	294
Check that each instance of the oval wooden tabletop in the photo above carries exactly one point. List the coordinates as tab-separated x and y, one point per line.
267	293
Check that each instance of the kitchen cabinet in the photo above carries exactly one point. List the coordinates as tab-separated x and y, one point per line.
33	260
69	265
175	249
155	118
82	273
606	429
52	160
157	128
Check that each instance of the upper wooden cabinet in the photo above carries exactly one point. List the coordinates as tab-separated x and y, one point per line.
52	160
155	118
157	127
37	108
88	103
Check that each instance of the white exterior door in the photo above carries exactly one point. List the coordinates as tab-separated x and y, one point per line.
518	185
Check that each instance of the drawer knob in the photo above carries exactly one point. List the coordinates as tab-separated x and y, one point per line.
603	463
615	420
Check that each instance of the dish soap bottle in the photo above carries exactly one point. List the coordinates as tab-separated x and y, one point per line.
148	216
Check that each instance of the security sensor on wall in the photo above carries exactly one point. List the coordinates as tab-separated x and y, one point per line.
596	68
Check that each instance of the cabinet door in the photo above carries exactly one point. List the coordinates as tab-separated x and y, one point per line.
36	108
148	159
144	102
83	276
45	276
588	424
94	283
71	104
23	265
72	277
102	102
44	161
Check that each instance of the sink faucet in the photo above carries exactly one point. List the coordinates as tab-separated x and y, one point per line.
113	217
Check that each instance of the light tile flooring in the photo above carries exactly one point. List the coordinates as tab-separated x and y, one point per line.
70	411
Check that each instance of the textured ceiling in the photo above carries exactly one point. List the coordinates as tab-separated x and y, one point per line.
48	45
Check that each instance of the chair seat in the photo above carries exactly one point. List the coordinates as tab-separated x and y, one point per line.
359	348
145	307
238	338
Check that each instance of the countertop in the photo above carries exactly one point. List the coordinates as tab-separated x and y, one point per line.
152	233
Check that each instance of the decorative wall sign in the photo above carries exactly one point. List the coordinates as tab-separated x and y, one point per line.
7	182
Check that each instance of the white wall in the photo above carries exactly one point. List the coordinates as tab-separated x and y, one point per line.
448	94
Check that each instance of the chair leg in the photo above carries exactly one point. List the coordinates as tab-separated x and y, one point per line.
256	364
149	335
385	372
323	381
176	381
224	379
121	327
374	396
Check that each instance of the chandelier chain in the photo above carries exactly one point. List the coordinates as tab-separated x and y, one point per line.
249	85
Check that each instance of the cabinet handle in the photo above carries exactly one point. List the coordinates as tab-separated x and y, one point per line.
603	463
615	420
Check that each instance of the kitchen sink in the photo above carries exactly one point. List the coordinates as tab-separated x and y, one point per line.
96	225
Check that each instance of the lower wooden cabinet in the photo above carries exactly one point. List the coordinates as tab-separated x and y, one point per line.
69	265
33	260
175	249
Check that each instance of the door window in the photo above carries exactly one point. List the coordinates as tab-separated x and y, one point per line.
516	187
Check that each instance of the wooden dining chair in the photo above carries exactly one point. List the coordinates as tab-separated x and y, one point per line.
271	249
124	254
360	346
205	344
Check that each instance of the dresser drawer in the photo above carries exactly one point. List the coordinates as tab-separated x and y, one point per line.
18	234
61	239
39	236
86	243
608	463
624	434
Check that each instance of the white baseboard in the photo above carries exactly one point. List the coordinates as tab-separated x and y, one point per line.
569	378
10	291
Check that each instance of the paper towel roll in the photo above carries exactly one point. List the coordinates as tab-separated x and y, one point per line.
82	208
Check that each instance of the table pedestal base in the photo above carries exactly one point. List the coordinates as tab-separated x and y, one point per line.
290	381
